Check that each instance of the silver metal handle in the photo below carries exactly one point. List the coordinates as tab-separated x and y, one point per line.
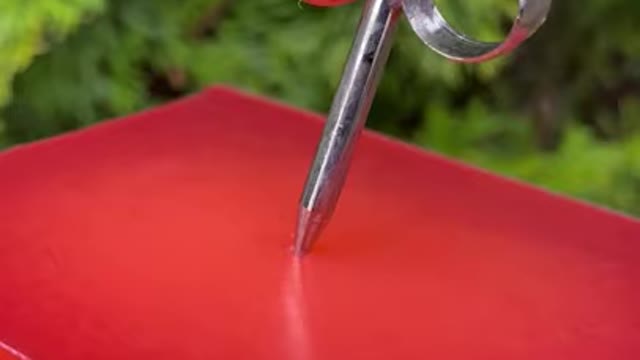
431	27
363	69
346	119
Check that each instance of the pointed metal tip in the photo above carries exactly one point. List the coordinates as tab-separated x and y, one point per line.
307	231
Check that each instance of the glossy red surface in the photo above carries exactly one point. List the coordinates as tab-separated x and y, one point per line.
166	235
5	355
9	353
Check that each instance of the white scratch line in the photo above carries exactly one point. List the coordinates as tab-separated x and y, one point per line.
13	351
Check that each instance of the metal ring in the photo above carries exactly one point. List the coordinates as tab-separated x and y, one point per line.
435	32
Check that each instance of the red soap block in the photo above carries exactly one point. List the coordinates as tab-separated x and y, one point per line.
167	234
7	353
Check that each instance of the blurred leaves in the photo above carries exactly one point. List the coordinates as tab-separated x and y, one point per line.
604	173
30	27
561	112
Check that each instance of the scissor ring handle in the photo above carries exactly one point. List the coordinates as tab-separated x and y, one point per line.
435	32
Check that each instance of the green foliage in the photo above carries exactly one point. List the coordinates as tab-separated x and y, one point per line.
29	27
583	167
562	112
102	70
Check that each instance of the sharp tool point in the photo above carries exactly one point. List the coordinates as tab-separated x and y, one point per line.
307	231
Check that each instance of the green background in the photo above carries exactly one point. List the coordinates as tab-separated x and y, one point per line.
562	112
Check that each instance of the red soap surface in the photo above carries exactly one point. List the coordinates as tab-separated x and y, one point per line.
166	235
6	354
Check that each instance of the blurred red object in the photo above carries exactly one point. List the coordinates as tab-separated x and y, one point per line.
166	234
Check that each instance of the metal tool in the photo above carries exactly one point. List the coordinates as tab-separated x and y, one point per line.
357	88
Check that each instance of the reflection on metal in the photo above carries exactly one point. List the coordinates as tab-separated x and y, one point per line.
435	32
